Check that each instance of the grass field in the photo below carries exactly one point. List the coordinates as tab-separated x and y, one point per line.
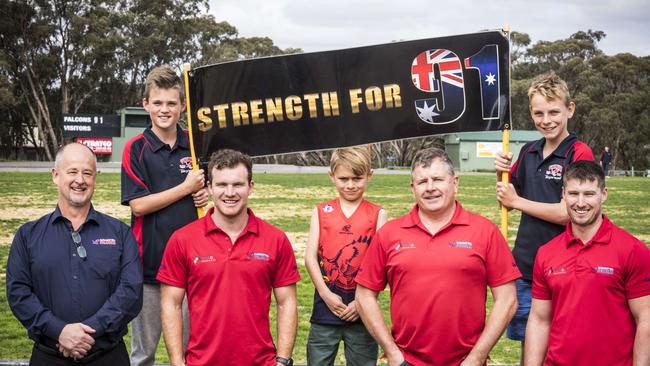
286	201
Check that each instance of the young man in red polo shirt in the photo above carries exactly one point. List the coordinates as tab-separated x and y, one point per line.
228	263
438	260
591	285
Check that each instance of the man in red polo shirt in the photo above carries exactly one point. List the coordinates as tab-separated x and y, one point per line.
591	285
229	262
438	260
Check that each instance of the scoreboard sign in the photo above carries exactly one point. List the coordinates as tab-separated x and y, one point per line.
91	125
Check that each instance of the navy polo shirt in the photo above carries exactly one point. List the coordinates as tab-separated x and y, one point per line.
151	166
49	285
538	179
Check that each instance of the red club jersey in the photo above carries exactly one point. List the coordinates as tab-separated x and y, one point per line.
342	244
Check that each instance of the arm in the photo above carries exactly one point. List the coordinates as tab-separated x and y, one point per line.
537	331
551	212
505	305
351	314
287	319
171	301
333	301
381	219
368	308
640	308
25	305
125	302
194	182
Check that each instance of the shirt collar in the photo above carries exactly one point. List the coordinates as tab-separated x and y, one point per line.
252	226
561	151
182	138
93	216
602	236
460	217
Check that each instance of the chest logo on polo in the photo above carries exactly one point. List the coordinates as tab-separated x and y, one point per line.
401	246
328	209
604	270
103	242
185	164
554	271
256	256
461	244
204	259
554	172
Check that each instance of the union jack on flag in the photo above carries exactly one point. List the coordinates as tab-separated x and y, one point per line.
422	70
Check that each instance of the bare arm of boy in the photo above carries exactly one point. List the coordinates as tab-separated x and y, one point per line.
194	182
552	212
332	300
382	218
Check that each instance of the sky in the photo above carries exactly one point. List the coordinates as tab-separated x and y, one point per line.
317	25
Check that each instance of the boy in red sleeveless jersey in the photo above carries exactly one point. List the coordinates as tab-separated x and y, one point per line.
340	232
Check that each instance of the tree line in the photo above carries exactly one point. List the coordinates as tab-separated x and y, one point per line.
80	56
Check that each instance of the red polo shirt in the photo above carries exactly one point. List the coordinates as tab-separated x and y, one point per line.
438	283
229	288
589	285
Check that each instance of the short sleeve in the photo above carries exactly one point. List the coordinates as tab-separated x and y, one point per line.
286	269
637	281
173	268
582	151
500	264
132	175
372	272
541	290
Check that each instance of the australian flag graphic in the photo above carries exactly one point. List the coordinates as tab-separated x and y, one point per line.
447	101
487	65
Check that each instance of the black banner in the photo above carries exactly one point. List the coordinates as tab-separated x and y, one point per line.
354	96
91	125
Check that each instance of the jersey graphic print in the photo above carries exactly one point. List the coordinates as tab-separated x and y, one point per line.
340	269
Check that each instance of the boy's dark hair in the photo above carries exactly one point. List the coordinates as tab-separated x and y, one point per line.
229	158
425	158
585	170
163	77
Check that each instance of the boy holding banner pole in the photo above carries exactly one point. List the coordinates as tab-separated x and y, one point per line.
163	191
340	232
536	188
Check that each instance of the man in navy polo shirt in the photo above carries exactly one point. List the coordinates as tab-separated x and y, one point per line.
163	191
536	188
74	278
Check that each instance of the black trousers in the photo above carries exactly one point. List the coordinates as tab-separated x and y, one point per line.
115	357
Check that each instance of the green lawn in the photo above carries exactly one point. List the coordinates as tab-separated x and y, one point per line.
286	201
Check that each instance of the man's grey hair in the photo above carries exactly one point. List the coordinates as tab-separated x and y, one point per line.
59	153
425	158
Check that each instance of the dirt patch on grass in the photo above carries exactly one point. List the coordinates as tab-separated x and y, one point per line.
299	242
26	214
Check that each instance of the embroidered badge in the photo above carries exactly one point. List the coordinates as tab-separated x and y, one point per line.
259	257
204	259
554	172
328	209
103	242
604	270
461	244
185	164
401	246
